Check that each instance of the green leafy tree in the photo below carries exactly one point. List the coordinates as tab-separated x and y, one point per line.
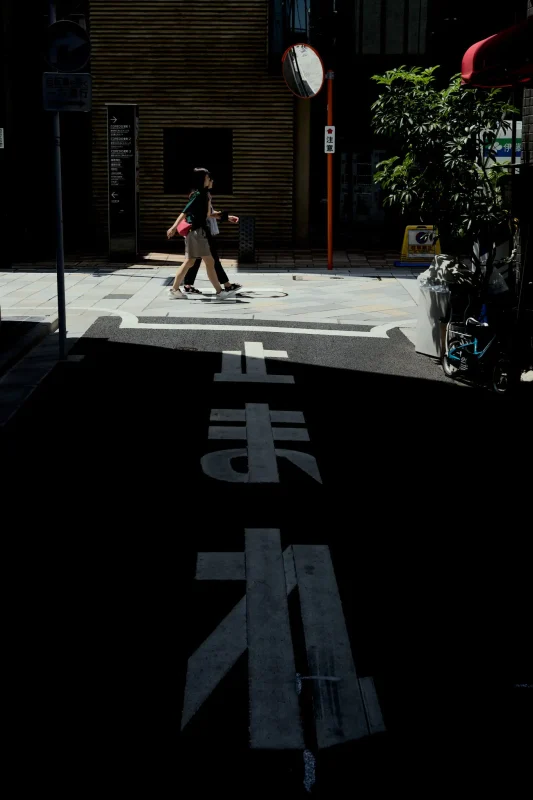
441	174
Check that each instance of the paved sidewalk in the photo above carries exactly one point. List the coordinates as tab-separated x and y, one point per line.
344	296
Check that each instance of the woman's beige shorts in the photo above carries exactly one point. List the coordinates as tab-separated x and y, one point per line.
196	244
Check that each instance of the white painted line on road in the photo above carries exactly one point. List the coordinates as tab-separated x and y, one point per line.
130	322
255	358
212	661
345	708
339	709
372	708
256	371
274	709
290	569
260	435
237	433
378	332
262	462
410	333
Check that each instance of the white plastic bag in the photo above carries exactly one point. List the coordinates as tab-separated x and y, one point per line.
496	284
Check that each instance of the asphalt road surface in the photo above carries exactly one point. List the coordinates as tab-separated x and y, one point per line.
385	520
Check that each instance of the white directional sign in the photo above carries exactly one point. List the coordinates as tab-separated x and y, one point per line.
329	139
346	707
67	91
1	138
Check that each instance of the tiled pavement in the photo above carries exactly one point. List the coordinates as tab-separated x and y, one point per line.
363	296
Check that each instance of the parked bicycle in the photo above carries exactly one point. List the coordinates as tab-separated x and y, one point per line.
476	352
479	334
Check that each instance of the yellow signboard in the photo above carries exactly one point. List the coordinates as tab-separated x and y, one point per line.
419	243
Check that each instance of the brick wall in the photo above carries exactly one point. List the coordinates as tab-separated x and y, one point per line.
195	64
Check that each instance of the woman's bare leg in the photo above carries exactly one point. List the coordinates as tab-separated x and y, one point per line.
209	262
181	272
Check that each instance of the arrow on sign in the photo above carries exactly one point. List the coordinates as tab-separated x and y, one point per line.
114	119
114	194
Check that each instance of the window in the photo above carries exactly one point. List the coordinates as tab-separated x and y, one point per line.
288	23
187	148
391	27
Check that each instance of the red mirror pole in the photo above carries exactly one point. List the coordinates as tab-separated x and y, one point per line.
329	77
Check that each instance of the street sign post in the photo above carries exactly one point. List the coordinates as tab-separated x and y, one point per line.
67	46
329	155
67	91
67	50
122	127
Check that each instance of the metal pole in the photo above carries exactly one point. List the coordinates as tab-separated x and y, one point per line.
330	173
60	250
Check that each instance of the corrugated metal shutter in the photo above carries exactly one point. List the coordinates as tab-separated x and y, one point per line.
195	64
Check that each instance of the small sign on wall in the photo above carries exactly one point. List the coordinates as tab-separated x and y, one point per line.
329	139
1	138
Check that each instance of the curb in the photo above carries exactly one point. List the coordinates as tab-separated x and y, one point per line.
40	331
36	355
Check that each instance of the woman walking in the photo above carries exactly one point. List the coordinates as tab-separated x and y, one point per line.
212	231
196	213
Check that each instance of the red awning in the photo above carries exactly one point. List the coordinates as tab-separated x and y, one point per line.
505	59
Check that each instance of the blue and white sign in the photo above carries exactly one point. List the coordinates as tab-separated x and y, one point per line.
503	147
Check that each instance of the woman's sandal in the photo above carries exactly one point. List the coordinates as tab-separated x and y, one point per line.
234	287
191	290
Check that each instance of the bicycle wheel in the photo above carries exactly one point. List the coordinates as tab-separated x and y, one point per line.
505	377
451	367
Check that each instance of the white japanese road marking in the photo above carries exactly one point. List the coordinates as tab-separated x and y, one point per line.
339	708
274	710
256	372
212	661
261	452
131	322
345	707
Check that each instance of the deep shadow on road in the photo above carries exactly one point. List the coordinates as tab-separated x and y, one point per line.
423	505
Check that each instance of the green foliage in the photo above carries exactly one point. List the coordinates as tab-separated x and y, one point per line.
440	174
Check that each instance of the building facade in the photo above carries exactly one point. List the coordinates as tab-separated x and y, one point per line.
207	82
199	75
